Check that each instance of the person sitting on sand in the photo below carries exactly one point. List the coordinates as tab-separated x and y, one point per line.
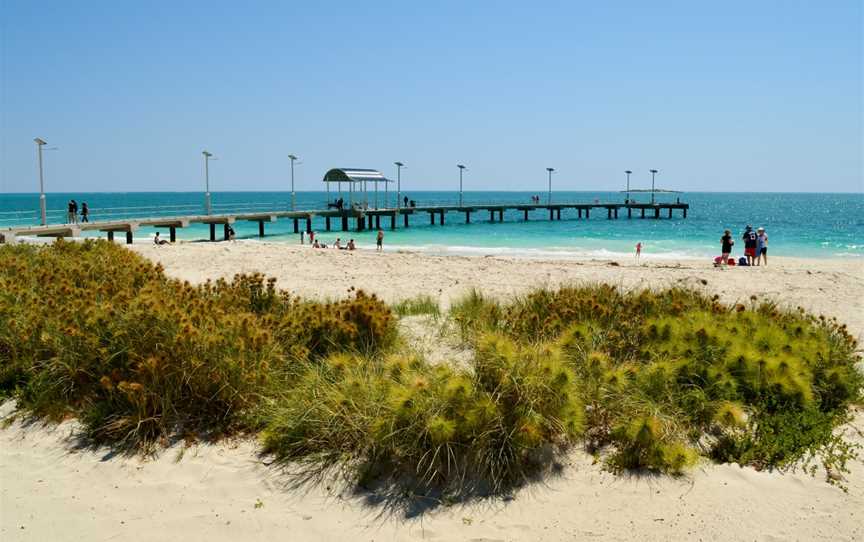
338	243
158	240
315	244
726	243
351	245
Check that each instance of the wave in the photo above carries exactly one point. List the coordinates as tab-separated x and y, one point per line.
548	253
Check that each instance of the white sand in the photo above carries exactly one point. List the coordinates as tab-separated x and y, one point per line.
830	287
48	491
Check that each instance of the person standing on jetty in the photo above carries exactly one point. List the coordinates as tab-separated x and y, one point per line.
379	241
72	212
749	238
85	212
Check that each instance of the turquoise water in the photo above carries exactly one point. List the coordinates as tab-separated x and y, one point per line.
805	225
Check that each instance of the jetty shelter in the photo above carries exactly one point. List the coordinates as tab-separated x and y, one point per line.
357	181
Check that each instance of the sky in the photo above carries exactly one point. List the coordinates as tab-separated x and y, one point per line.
718	96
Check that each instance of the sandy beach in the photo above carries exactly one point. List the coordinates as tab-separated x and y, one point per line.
51	491
830	287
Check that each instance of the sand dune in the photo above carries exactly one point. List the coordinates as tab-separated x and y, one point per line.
51	491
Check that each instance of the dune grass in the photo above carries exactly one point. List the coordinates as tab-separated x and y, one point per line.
419	305
670	376
651	380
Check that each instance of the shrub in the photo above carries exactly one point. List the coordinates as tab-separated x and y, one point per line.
668	374
439	424
94	330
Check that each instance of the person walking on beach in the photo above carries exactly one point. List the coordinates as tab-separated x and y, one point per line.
379	241
638	251
726	243
749	238
85	212
761	246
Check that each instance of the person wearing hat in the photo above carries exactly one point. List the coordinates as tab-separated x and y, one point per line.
761	246
749	238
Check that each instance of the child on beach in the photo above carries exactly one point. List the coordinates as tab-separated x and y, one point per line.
638	251
379	241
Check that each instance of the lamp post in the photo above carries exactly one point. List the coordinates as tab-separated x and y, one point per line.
549	199
628	172
399	166
207	156
653	173
293	196
461	169
39	144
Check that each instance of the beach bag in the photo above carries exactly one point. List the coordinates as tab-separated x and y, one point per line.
743	261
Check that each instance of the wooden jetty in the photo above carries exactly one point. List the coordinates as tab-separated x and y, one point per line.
343	219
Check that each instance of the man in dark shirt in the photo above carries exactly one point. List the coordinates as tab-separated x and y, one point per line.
750	240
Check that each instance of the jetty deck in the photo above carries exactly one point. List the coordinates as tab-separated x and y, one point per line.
345	219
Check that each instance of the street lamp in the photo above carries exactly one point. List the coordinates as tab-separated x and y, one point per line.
207	156
293	197
628	172
550	170
399	166
461	169
653	173
39	144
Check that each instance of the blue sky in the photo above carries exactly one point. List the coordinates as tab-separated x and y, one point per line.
737	96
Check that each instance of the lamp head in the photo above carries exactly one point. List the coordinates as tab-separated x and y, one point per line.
653	171
207	154
460	166
292	157
40	141
550	169
628	172
400	164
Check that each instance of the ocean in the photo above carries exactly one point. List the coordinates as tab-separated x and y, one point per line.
800	225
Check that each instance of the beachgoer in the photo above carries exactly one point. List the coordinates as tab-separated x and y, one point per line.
70	212
85	212
158	240
413	203
379	241
726	243
351	245
405	201
74	211
749	238
338	243
762	246
311	237
638	251
315	244
231	233
302	237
